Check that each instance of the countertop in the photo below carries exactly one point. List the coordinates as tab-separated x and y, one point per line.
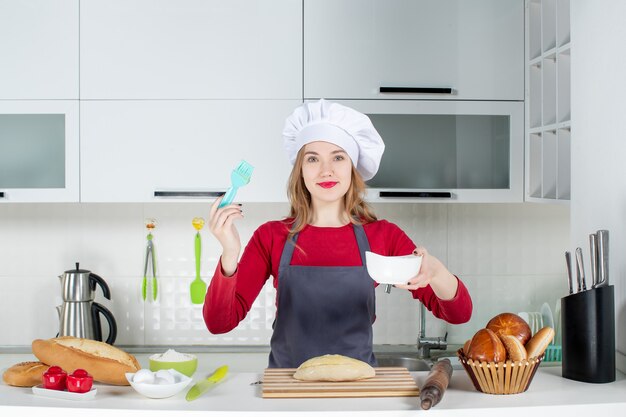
549	394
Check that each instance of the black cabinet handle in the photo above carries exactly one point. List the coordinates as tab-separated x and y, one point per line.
189	194
1	194
417	90
415	194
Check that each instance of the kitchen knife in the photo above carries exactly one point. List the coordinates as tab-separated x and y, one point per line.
580	270
593	253
568	262
201	387
603	258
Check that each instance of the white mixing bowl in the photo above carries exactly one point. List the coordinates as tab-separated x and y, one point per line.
392	269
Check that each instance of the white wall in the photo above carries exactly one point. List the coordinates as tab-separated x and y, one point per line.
509	256
599	139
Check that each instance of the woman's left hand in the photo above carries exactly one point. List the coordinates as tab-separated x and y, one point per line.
432	272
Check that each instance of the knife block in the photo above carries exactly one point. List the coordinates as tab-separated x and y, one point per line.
588	335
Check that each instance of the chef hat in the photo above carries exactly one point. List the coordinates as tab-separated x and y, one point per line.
332	122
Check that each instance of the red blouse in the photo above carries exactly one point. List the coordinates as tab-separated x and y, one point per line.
229	299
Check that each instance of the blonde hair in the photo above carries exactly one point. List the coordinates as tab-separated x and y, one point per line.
301	211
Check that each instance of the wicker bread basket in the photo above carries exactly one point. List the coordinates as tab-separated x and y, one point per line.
500	377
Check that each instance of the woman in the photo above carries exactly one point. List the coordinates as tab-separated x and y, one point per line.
325	298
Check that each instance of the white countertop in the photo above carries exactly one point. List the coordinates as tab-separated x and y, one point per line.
549	394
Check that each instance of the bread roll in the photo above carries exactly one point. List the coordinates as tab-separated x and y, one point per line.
515	351
25	374
104	362
486	347
510	324
539	342
333	368
466	346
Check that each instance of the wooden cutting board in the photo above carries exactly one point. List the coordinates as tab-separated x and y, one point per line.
388	382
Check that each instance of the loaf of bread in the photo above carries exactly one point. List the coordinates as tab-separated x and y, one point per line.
486	346
106	363
510	324
515	351
333	368
539	342
25	374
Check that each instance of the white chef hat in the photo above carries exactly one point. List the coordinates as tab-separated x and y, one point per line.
332	122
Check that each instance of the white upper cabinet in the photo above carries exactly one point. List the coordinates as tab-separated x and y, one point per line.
149	150
38	49
39	151
353	48
191	49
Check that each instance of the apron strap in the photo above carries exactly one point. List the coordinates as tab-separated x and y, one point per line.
361	240
290	245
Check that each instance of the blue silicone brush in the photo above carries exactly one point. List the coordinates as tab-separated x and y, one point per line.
239	177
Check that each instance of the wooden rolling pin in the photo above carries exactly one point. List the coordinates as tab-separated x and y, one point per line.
436	384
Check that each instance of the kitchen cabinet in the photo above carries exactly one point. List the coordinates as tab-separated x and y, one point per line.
353	48
149	150
39	49
447	151
194	49
548	105
39	151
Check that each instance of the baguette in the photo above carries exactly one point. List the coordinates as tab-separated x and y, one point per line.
333	368
106	363
25	374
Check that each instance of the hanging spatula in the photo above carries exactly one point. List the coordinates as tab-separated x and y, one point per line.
198	287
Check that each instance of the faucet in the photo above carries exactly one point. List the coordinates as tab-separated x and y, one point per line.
425	344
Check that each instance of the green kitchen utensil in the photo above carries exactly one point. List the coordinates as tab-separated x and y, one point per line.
201	387
150	225
239	177
198	287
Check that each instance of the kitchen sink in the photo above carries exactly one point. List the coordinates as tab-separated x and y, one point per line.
410	362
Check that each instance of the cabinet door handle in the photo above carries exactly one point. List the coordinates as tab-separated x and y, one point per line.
1	194
415	194
189	194
417	90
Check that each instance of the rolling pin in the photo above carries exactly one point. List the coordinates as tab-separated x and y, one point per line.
436	383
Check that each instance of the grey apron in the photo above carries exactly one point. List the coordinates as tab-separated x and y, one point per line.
323	310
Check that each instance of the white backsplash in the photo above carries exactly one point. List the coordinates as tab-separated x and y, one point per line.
510	256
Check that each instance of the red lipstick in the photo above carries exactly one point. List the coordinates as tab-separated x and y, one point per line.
328	184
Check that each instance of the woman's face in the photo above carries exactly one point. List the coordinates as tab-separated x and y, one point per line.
326	170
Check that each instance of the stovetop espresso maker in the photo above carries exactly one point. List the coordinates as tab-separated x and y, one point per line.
79	315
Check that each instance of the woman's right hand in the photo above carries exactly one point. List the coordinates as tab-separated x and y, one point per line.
222	227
